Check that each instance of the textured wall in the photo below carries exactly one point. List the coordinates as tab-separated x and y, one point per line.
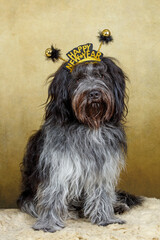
28	27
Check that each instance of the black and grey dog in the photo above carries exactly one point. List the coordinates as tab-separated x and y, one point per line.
72	164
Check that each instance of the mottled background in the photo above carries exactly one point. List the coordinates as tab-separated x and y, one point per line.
28	27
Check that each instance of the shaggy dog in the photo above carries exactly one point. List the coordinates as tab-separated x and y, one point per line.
72	164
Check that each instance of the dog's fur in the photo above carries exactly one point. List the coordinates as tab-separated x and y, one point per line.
72	164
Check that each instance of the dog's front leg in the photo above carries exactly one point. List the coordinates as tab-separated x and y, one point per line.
98	207
52	211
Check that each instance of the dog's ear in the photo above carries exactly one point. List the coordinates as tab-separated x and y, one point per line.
58	108
119	88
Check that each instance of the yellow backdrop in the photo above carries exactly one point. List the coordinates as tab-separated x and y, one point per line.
28	27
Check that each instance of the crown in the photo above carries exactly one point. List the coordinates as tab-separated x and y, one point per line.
82	53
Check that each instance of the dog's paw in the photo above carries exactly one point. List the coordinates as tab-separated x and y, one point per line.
46	227
121	208
112	221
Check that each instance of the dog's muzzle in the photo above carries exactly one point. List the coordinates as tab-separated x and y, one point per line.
93	107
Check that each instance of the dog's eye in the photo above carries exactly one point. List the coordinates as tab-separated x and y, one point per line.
102	76
98	75
80	77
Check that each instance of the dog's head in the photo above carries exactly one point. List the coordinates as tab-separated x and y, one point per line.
93	94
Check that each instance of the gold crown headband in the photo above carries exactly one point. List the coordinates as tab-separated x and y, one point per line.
82	53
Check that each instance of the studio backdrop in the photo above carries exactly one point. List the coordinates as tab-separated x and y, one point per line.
28	27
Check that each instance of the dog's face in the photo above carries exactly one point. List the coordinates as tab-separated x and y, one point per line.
93	94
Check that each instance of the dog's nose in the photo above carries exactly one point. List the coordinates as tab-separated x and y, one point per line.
94	94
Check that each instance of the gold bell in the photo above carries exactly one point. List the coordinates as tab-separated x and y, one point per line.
106	33
48	52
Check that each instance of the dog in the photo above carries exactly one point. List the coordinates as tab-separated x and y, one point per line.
72	163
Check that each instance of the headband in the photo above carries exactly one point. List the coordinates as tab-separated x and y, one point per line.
82	53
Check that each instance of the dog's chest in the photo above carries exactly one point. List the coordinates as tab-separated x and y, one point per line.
85	145
79	152
80	158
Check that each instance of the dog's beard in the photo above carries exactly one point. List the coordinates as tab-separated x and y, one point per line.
93	112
